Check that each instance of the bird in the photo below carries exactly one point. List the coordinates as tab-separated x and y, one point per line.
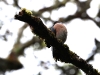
60	32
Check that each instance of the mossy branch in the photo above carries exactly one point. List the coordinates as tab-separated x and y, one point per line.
64	54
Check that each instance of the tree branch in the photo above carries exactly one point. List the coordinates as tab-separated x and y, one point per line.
95	51
64	54
20	33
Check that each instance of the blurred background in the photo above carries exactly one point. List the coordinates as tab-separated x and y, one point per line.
23	53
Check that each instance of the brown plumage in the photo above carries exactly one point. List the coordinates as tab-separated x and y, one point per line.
60	32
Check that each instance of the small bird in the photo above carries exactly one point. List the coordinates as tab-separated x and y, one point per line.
60	32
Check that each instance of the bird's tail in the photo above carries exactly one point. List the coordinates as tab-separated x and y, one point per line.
55	54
